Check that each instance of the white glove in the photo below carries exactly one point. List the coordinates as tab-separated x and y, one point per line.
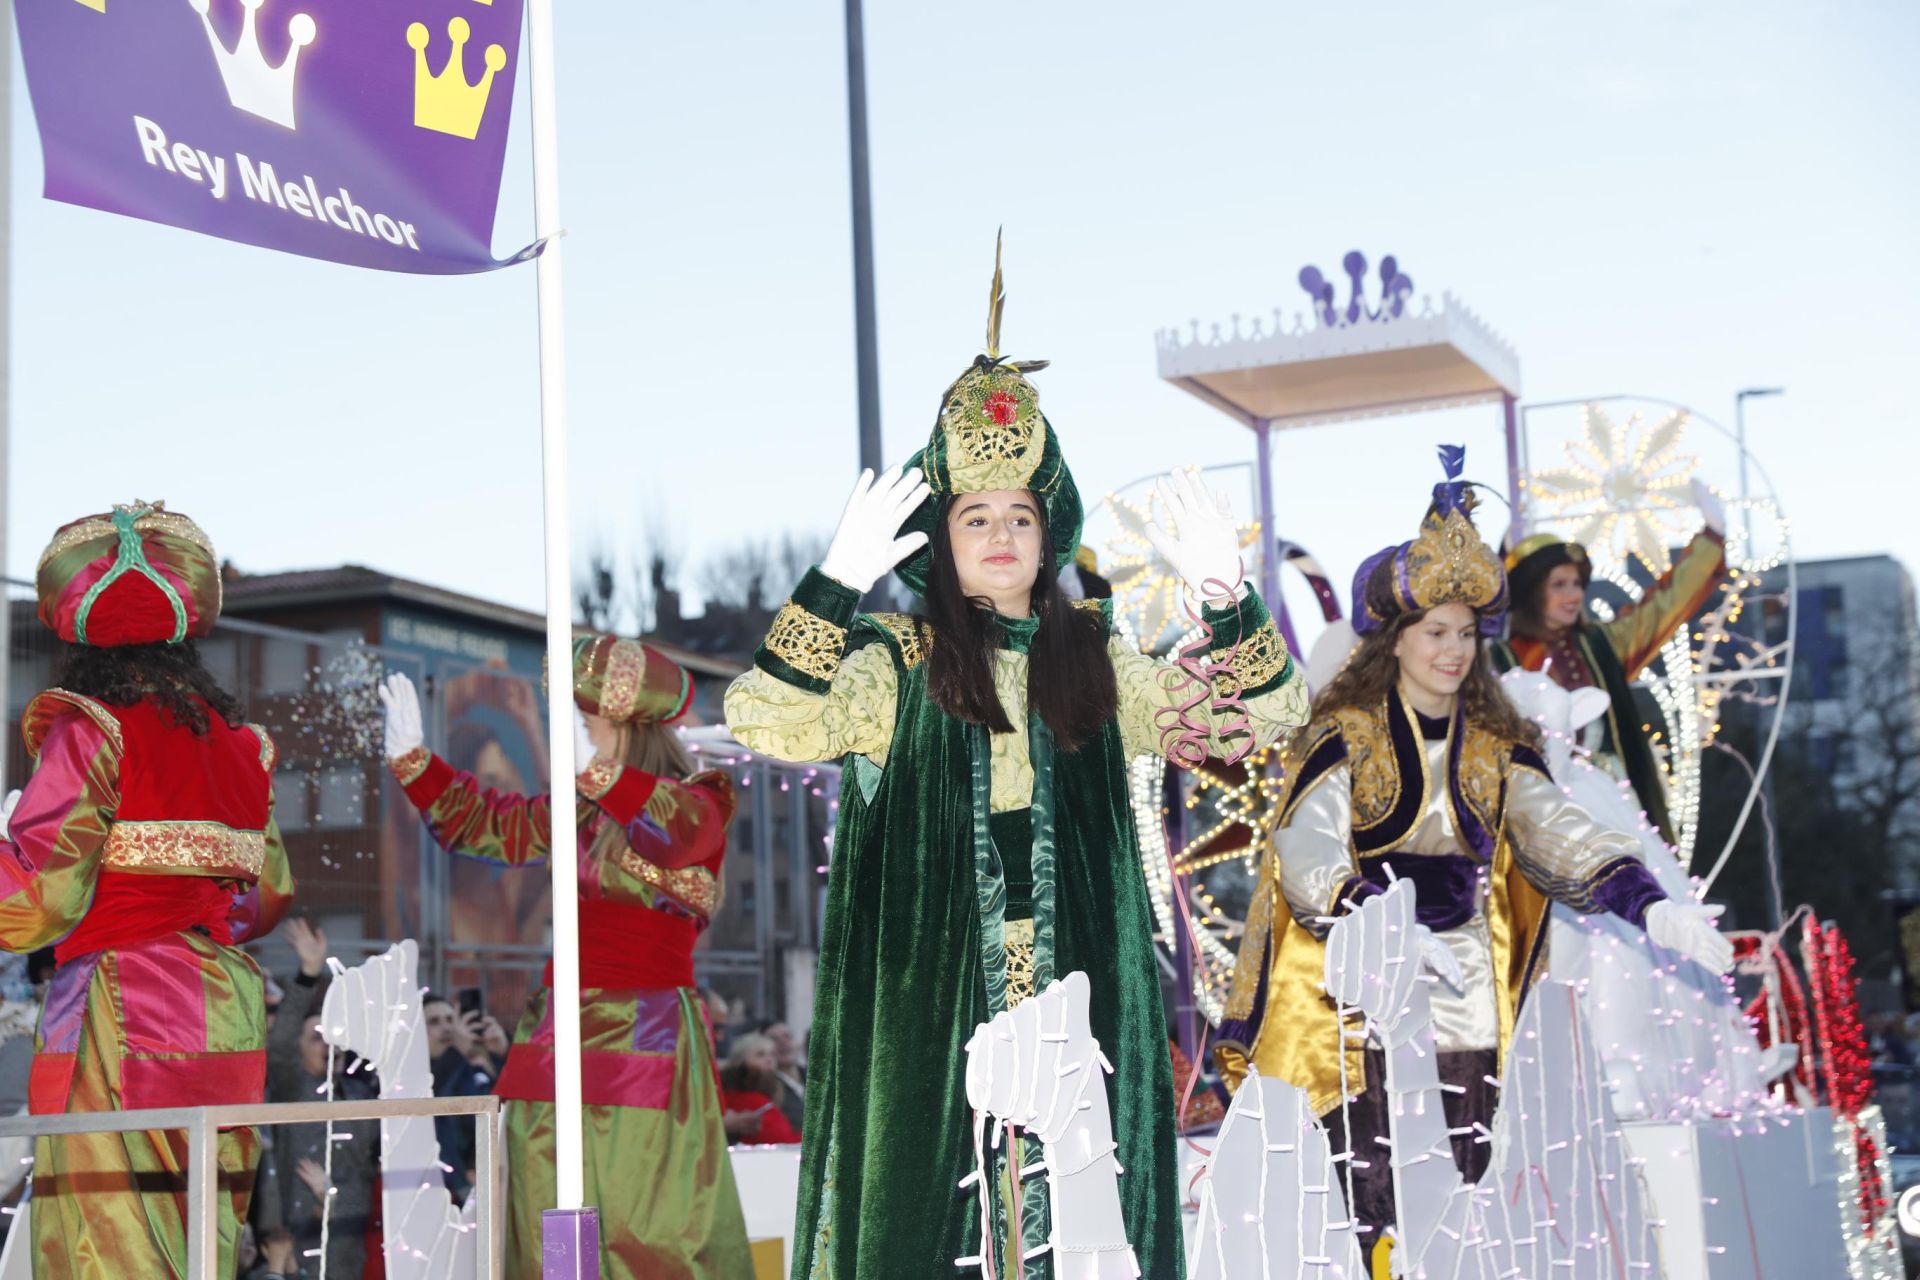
1205	550
6	812
1711	508
1688	928
864	547
583	748
1436	955
403	731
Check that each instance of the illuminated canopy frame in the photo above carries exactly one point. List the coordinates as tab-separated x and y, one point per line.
1363	360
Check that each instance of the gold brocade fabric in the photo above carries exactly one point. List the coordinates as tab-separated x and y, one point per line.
1377	780
912	640
1020	979
994	433
806	642
620	692
1449	564
100	530
408	766
208	848
1260	657
597	778
694	886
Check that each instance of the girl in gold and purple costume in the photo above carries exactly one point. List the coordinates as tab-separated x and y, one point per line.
1415	767
143	850
650	836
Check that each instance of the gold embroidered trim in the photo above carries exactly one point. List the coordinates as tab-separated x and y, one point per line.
597	778
1371	764
212	848
1448	563
409	765
995	436
39	717
806	641
164	522
620	690
268	752
1260	657
695	886
907	634
1019	936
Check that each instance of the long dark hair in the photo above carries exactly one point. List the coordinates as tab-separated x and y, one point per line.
1527	587
170	674
1069	679
1372	673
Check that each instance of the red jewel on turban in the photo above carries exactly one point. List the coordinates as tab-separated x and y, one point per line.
1003	407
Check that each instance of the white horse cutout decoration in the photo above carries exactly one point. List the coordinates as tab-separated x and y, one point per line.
1272	1204
1038	1067
374	1010
1561	1196
1674	1040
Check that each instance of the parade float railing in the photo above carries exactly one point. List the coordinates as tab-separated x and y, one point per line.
203	1125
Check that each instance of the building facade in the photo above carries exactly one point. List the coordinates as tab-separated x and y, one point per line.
305	652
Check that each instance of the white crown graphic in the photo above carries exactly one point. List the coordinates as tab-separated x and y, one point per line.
252	85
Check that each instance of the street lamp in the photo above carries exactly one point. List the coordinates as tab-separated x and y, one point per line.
1740	399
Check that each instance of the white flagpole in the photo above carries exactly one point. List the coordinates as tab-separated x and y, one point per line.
570	1182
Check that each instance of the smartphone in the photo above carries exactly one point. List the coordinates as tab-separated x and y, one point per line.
469	1000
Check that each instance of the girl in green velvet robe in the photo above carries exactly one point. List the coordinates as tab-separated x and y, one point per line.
985	844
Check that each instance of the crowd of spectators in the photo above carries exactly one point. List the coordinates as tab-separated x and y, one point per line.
762	1070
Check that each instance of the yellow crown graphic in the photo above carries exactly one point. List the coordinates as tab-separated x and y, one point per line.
446	103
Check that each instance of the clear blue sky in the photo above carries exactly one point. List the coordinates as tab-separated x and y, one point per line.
1680	199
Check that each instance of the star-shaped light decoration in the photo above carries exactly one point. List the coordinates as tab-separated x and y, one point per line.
1624	491
1146	589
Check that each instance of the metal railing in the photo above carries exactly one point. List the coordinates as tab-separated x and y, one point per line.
203	1126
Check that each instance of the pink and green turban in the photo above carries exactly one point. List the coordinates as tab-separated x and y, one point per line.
138	574
625	680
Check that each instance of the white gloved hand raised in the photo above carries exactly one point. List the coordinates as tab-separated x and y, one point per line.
6	813
403	731
1436	955
1205	550
1712	509
866	544
583	748
1689	928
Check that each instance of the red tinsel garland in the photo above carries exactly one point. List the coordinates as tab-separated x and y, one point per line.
1843	1052
1796	1019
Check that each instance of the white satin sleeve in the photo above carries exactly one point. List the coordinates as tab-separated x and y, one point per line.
1560	847
1314	850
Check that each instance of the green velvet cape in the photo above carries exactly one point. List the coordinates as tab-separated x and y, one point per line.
901	986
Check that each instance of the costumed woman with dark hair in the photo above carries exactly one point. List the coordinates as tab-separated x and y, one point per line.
143	850
985	843
1416	767
1551	630
650	835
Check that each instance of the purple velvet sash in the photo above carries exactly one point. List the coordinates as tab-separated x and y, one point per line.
1446	886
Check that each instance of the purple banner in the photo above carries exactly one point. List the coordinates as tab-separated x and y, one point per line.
366	133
